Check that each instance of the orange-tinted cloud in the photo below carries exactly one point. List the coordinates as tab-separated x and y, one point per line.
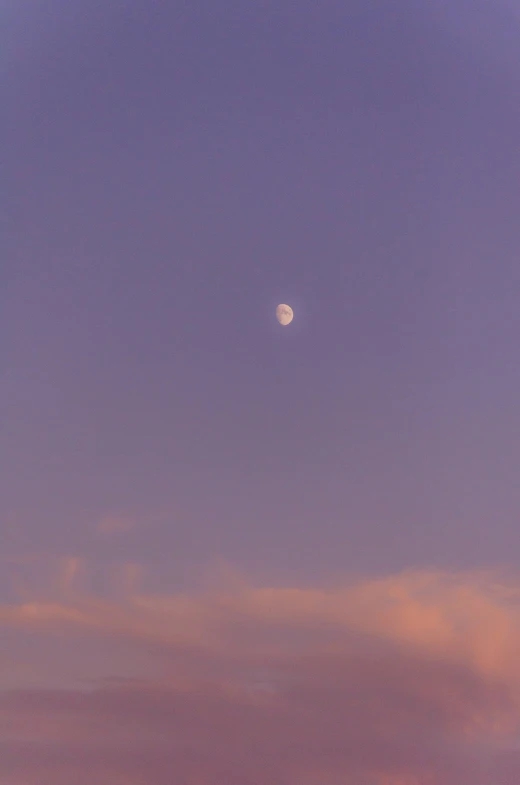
408	680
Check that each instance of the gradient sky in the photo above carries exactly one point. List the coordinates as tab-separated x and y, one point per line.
191	494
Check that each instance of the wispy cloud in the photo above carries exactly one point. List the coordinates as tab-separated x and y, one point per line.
408	680
115	524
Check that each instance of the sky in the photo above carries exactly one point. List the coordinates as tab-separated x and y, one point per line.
232	551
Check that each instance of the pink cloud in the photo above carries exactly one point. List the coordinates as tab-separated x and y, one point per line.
115	524
407	680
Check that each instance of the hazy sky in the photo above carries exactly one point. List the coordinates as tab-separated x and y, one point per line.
342	489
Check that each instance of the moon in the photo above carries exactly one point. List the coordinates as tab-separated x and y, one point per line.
284	314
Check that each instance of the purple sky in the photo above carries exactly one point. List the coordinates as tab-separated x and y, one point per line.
179	171
176	170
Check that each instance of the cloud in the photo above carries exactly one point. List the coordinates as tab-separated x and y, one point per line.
411	679
115	524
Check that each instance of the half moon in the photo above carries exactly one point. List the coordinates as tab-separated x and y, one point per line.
284	314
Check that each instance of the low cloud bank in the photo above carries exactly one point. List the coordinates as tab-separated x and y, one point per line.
412	679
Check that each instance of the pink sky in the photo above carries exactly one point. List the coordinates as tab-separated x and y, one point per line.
408	679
